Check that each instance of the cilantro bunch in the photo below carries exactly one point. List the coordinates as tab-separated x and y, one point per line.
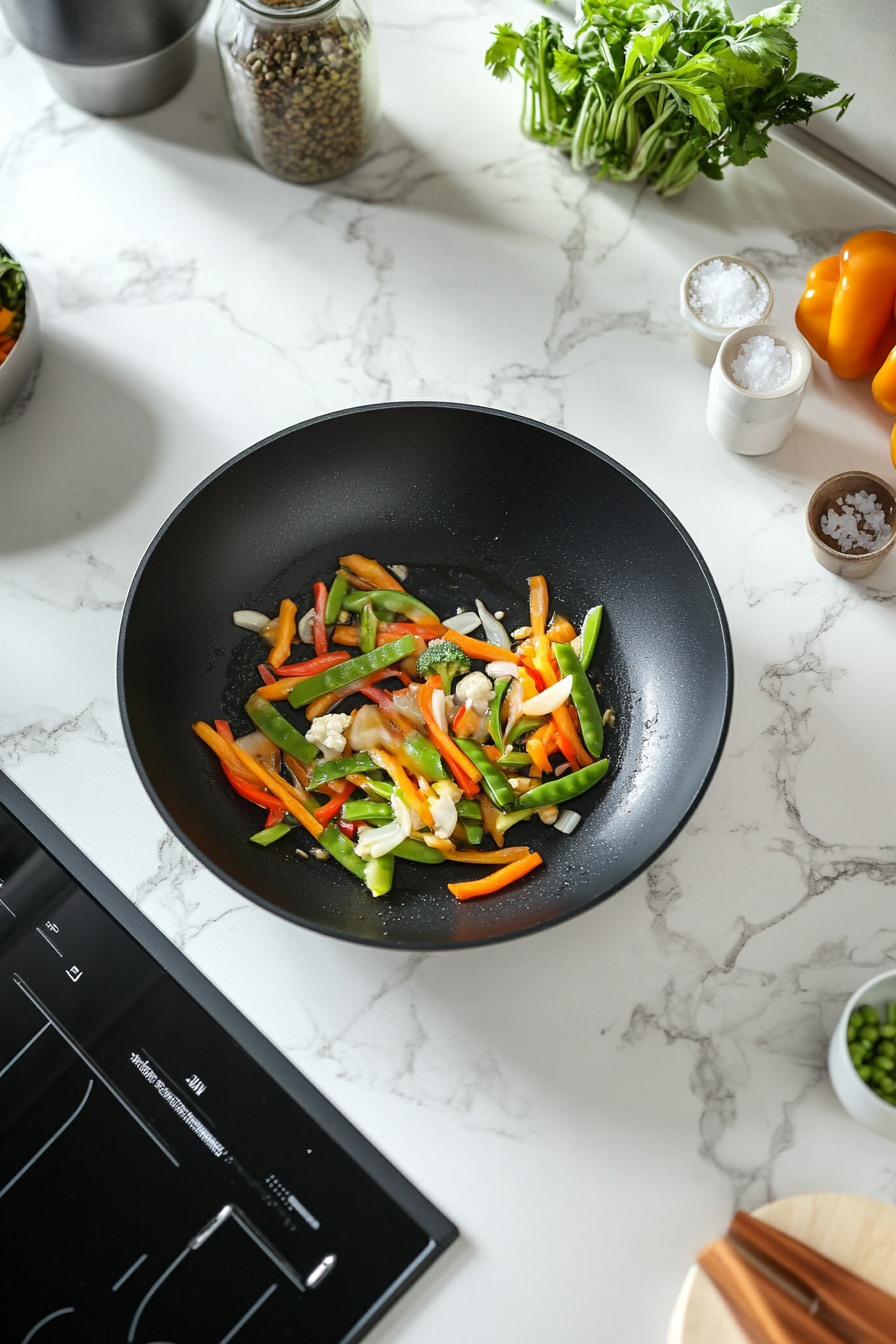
660	92
12	291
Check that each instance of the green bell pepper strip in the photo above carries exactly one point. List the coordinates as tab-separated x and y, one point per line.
326	771
508	819
569	786
524	724
469	810
368	625
379	874
342	850
493	780
343	674
590	720
423	757
365	810
335	599
518	758
590	632
494	712
271	833
268	718
474	833
417	852
385	599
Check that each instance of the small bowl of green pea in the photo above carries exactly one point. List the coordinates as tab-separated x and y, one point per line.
862	1055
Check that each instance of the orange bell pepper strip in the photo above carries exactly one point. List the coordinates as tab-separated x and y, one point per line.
375	574
399	776
566	728
233	755
537	751
389	630
279	690
495	881
538	604
491	856
560	630
884	385
286	633
478	648
863	303
347	635
462	767
318	627
6	317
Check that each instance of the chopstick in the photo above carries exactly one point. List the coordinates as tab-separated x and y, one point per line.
783	1292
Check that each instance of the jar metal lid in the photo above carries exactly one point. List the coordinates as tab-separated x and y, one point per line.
297	10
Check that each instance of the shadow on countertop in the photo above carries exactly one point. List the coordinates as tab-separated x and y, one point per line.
80	451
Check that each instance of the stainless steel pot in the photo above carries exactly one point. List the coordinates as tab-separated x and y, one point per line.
110	58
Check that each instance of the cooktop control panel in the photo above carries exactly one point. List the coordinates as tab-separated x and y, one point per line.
157	1184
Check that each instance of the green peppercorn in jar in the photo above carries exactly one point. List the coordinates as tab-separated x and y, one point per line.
302	83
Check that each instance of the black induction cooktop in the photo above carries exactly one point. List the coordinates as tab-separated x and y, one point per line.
166	1176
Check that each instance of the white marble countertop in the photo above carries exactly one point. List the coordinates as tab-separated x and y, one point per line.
589	1105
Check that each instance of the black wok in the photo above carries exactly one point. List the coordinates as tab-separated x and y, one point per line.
473	501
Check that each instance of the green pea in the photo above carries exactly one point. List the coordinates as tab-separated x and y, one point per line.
869	1033
850	1035
877	1075
887	1048
856	1019
888	1032
869	1014
888	1085
864	1072
883	1062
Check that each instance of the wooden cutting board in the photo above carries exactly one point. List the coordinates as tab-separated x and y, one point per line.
858	1233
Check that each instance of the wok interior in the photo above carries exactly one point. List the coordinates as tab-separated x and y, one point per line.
473	502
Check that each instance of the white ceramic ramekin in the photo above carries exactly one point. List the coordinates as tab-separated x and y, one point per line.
706	337
749	422
855	1096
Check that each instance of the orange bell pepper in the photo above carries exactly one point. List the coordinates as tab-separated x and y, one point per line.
538	603
813	312
286	633
495	881
374	573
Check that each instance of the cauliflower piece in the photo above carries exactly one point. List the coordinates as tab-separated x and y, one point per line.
476	691
328	733
372	842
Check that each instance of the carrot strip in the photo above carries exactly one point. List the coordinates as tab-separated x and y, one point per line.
563	719
478	648
223	729
288	796
374	573
397	773
495	881
462	767
286	633
513	854
347	635
538	604
567	748
389	630
329	810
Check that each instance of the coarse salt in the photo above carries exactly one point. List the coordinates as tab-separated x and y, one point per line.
761	366
726	294
862	524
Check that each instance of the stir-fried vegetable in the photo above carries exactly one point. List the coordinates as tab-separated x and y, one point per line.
425	770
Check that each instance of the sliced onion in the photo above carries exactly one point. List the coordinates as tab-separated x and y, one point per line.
567	821
550	699
439	711
260	747
305	628
251	620
495	670
464	623
494	630
514	702
561	769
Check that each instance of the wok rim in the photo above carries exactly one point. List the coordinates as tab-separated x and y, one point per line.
396	943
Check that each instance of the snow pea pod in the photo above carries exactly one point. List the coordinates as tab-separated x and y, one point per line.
524	724
335	599
366	810
379	874
474	833
272	723
494	781
494	712
469	810
590	719
568	786
342	850
417	852
405	604
343	674
326	771
271	833
368	627
590	632
423	758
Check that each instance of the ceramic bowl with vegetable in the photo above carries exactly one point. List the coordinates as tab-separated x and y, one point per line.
455	507
19	338
862	1055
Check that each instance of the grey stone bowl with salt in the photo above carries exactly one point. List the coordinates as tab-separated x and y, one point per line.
851	523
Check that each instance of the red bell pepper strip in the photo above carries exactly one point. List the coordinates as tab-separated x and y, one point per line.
329	810
350	828
458	763
313	665
320	629
250	792
266	674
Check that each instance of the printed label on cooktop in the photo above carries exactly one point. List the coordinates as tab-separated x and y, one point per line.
180	1108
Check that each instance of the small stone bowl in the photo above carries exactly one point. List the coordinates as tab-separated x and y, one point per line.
706	337
856	1096
848	564
18	372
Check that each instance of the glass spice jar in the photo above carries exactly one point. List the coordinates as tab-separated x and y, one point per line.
302	83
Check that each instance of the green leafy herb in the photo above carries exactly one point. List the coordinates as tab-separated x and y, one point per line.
12	293
660	92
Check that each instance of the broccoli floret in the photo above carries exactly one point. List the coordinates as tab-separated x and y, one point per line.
444	658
